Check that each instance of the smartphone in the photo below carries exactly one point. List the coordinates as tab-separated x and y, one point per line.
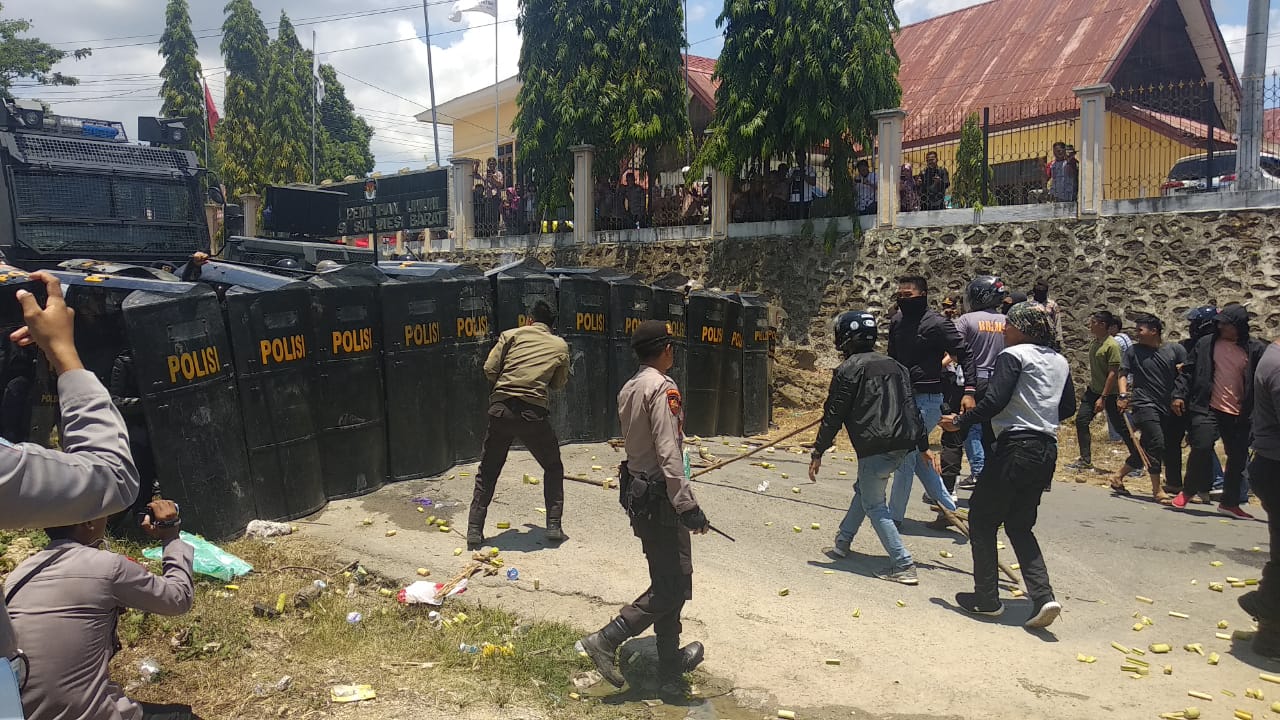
11	281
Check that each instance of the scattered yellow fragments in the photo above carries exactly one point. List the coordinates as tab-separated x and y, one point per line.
596	467
457	552
1253	693
504	526
1146	600
1160	648
832	661
1200	695
386	592
367	521
1215	586
945	554
815	526
857	612
1137	627
1184	616
1222	636
1222	624
796	528
1194	647
1168	669
1243	715
421	509
842	472
1147	621
785	476
423	572
901	604
444	528
1213	658
795	490
786	715
1081	657
1216	563
391	533
1275	707
784	592
1120	647
1015	566
1269	678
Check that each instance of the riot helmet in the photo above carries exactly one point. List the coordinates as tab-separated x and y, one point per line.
985	292
286	264
855	331
327	265
1202	321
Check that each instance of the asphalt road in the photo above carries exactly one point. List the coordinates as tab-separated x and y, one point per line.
910	653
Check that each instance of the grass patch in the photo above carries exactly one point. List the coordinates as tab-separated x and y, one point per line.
226	662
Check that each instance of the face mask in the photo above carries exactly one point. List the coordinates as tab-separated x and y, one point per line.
913	306
1041	297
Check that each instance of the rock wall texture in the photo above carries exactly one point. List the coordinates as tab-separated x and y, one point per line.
1164	264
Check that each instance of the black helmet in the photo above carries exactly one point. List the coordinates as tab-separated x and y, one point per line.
984	293
855	326
1202	320
286	264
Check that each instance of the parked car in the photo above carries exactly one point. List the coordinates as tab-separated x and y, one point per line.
1190	174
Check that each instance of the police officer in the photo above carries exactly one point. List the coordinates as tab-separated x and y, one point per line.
523	364
663	511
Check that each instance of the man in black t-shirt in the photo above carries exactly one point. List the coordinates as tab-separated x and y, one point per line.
1147	376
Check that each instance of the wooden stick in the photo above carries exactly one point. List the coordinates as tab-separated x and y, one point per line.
749	453
1137	441
959	524
606	483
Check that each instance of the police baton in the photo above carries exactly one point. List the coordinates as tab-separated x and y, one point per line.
720	532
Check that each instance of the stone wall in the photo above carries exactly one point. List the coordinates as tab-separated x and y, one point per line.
1159	263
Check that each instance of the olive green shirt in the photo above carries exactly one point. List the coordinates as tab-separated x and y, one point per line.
1104	356
525	363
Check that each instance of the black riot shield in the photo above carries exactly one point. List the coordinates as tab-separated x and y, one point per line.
347	395
629	305
273	343
755	364
668	305
581	411
707	314
729	419
415	314
467	339
516	288
182	364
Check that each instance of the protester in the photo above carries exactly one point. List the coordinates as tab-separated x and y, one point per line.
983	331
865	184
1263	604
919	338
908	190
1040	293
1125	342
1063	173
1102	394
1149	371
1029	394
64	602
1215	389
870	396
94	477
1201	321
934	182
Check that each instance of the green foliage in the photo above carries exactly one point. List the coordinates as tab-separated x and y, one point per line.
286	129
245	52
966	181
182	94
344	136
797	73
594	71
30	58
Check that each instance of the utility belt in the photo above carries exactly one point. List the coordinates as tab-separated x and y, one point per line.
643	499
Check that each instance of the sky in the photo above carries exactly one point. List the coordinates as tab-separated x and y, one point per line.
377	50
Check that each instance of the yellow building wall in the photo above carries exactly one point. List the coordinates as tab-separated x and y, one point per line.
1139	159
473	134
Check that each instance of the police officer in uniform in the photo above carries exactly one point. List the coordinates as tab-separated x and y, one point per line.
663	511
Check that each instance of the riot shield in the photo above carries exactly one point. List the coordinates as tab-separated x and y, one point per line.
580	411
668	305
467	340
729	419
414	318
516	287
273	343
629	305
755	364
182	364
708	312
347	395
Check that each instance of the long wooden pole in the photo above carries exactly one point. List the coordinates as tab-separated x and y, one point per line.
770	443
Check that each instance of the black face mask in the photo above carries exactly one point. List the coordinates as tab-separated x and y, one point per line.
1041	297
913	306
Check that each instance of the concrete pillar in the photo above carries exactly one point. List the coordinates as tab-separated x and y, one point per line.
889	164
1093	147
1252	80
464	212
719	204
399	242
212	216
584	197
252	205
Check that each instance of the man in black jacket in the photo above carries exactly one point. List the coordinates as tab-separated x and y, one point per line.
1216	388
918	339
871	397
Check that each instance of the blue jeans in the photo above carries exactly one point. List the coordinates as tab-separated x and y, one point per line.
869	501
931	412
973	449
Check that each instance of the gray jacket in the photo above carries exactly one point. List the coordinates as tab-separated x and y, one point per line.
94	478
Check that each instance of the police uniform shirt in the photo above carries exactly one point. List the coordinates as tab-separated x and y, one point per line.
94	478
65	619
652	415
525	362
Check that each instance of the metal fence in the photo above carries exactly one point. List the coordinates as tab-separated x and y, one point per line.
1169	139
798	186
1011	154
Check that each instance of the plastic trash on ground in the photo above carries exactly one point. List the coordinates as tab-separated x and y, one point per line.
266	529
351	693
428	593
149	669
210	559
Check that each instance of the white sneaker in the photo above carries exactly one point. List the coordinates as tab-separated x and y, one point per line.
1044	615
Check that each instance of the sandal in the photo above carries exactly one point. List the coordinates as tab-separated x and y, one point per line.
1120	490
1162	498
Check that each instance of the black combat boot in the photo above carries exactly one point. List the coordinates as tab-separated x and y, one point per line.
475	527
671	667
555	533
1267	642
602	648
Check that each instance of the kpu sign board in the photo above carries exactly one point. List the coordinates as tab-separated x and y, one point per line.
412	201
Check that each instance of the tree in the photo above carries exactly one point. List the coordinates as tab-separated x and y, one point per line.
287	126
245	53
598	72
344	136
799	74
966	182
30	58
182	94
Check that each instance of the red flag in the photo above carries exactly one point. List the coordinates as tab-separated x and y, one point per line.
210	109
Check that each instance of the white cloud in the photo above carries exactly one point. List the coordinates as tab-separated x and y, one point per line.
698	12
